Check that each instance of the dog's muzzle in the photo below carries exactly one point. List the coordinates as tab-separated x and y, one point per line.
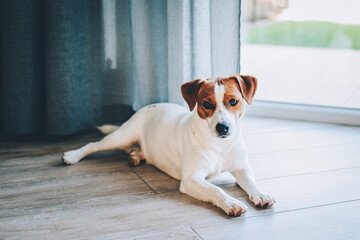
222	129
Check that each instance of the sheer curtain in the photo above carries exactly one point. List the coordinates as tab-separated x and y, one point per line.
65	64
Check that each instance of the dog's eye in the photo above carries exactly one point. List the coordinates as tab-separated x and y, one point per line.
208	105
233	102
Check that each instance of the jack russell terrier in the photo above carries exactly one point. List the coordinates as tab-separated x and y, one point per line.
192	146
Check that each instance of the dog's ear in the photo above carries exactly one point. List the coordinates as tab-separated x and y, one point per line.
247	86
190	91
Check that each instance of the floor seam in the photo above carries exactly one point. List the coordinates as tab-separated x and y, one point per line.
197	235
144	181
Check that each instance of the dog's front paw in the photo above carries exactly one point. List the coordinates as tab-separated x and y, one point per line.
71	157
262	200
233	207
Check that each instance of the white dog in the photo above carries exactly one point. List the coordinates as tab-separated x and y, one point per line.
192	146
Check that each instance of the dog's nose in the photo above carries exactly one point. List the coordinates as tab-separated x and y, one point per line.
222	129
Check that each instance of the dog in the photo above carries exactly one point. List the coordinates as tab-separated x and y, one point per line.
192	146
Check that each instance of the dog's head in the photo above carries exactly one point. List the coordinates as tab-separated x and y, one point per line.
220	101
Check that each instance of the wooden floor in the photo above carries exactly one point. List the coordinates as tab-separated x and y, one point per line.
312	169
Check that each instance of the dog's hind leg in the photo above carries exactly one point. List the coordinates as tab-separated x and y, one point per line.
136	157
122	138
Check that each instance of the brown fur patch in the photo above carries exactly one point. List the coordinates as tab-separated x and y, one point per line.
206	94
190	92
247	86
232	91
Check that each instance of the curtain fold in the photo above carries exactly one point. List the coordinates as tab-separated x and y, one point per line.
72	64
21	64
65	64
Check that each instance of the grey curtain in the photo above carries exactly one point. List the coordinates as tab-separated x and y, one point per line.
66	64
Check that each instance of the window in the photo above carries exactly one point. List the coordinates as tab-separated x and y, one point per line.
306	55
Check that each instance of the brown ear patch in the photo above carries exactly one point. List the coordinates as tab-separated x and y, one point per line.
190	92
247	86
199	91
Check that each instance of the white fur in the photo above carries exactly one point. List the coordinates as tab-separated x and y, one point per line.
107	129
186	147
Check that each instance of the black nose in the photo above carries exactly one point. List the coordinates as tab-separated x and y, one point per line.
222	129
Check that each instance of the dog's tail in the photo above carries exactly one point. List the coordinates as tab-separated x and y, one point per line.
107	129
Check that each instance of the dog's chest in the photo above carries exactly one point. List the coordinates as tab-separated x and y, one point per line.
215	163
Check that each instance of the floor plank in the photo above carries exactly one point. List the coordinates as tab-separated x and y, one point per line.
172	233
50	166
255	125
157	180
300	139
24	146
338	221
49	192
302	161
